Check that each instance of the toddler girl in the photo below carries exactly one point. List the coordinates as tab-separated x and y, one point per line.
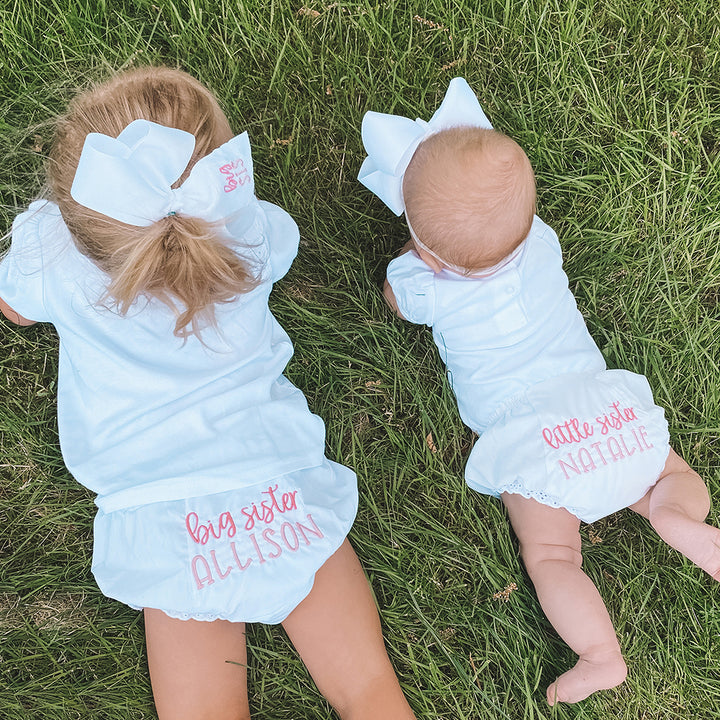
563	439
154	261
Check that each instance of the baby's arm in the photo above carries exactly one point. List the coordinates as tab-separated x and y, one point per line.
390	299
387	288
11	315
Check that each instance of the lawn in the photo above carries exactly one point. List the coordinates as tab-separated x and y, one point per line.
618	107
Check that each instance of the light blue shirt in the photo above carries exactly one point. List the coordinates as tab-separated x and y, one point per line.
499	334
143	415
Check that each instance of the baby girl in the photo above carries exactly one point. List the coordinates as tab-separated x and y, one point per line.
562	439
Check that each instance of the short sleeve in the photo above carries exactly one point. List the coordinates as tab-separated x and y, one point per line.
546	235
283	238
35	235
413	284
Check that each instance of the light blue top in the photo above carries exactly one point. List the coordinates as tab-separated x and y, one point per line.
499	334
143	415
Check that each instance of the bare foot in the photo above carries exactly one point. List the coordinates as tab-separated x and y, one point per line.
696	540
589	675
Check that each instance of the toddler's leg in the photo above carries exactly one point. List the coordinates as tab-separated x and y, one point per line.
336	630
197	669
550	547
677	506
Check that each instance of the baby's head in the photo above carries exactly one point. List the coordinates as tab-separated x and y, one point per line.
181	260
469	196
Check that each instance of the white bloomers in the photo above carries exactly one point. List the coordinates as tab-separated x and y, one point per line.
592	443
246	555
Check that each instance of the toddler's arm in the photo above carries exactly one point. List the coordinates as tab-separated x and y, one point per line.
11	315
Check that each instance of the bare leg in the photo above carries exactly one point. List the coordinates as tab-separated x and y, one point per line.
677	506
198	669
336	630
550	547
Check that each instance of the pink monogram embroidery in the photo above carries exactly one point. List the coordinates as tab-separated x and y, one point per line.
586	456
276	524
236	174
601	453
262	512
246	550
574	431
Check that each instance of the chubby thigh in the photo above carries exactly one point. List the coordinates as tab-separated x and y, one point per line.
592	443
247	555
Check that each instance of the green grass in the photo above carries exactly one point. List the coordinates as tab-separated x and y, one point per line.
617	105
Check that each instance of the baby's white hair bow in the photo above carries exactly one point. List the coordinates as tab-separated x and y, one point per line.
129	178
391	140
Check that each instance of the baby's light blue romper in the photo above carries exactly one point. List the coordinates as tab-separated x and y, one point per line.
555	425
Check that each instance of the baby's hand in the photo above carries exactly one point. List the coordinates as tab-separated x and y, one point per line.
407	247
390	299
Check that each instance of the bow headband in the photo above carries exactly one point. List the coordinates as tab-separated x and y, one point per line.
129	178
391	140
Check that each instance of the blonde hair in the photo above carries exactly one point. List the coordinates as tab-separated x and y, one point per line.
184	262
470	196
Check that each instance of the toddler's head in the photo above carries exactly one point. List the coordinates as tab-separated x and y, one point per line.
469	197
183	261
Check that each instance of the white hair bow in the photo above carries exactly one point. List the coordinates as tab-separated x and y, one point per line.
129	178
391	140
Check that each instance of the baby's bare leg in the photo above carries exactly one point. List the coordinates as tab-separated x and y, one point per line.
550	547
677	506
336	630
198	669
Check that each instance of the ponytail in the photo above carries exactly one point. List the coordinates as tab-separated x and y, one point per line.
185	263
